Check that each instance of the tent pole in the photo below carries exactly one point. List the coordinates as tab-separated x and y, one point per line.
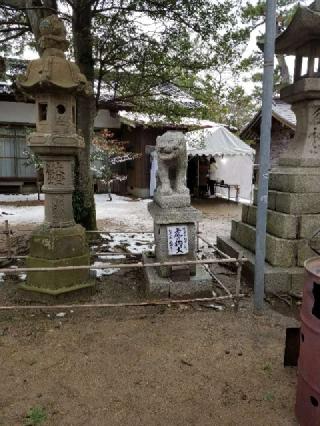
265	136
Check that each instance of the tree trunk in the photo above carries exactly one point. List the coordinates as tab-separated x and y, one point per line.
83	199
284	70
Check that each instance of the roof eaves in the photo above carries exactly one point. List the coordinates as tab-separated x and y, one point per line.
283	120
250	124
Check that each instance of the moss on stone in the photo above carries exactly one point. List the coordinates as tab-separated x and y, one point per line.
53	281
58	243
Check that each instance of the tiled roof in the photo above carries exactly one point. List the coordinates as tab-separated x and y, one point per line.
283	111
174	94
135	119
166	91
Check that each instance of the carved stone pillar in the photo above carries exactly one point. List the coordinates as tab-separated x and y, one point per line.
58	187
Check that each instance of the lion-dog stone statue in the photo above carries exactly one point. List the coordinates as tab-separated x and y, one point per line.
171	188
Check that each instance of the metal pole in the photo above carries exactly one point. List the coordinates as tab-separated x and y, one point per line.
265	136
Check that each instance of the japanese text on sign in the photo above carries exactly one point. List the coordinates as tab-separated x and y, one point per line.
177	239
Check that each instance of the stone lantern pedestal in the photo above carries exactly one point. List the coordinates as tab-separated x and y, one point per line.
58	242
175	227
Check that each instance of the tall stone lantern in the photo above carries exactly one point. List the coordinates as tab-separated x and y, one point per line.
54	81
294	190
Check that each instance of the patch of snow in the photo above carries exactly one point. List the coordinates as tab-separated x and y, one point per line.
122	210
61	314
214	306
102	272
112	257
22	276
20	197
133	243
2	275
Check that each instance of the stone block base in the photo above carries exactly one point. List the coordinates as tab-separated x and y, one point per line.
279	251
294	203
58	247
277	279
294	179
199	285
293	218
68	295
56	282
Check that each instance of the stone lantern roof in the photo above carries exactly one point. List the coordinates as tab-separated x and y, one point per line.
53	70
302	35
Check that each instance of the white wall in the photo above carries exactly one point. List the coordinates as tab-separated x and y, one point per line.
105	121
236	170
17	112
23	113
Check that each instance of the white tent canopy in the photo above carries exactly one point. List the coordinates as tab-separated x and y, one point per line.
216	141
234	158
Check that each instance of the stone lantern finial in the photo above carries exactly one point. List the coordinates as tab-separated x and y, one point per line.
53	34
52	70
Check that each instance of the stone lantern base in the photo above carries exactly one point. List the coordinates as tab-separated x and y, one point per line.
293	218
54	247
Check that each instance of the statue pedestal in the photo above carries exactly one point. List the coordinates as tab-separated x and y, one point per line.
175	234
172	201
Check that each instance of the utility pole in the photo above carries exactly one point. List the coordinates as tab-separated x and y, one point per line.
264	161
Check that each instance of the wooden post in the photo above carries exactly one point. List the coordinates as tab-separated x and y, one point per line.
8	241
238	283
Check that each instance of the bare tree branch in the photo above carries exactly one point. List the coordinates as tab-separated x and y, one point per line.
17	35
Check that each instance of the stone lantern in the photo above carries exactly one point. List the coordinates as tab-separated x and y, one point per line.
54	81
294	190
301	39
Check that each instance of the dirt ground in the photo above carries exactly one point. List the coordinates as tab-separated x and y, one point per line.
146	366
166	365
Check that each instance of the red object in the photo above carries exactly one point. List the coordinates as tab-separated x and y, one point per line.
308	390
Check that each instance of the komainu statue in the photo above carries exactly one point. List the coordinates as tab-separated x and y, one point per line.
172	158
